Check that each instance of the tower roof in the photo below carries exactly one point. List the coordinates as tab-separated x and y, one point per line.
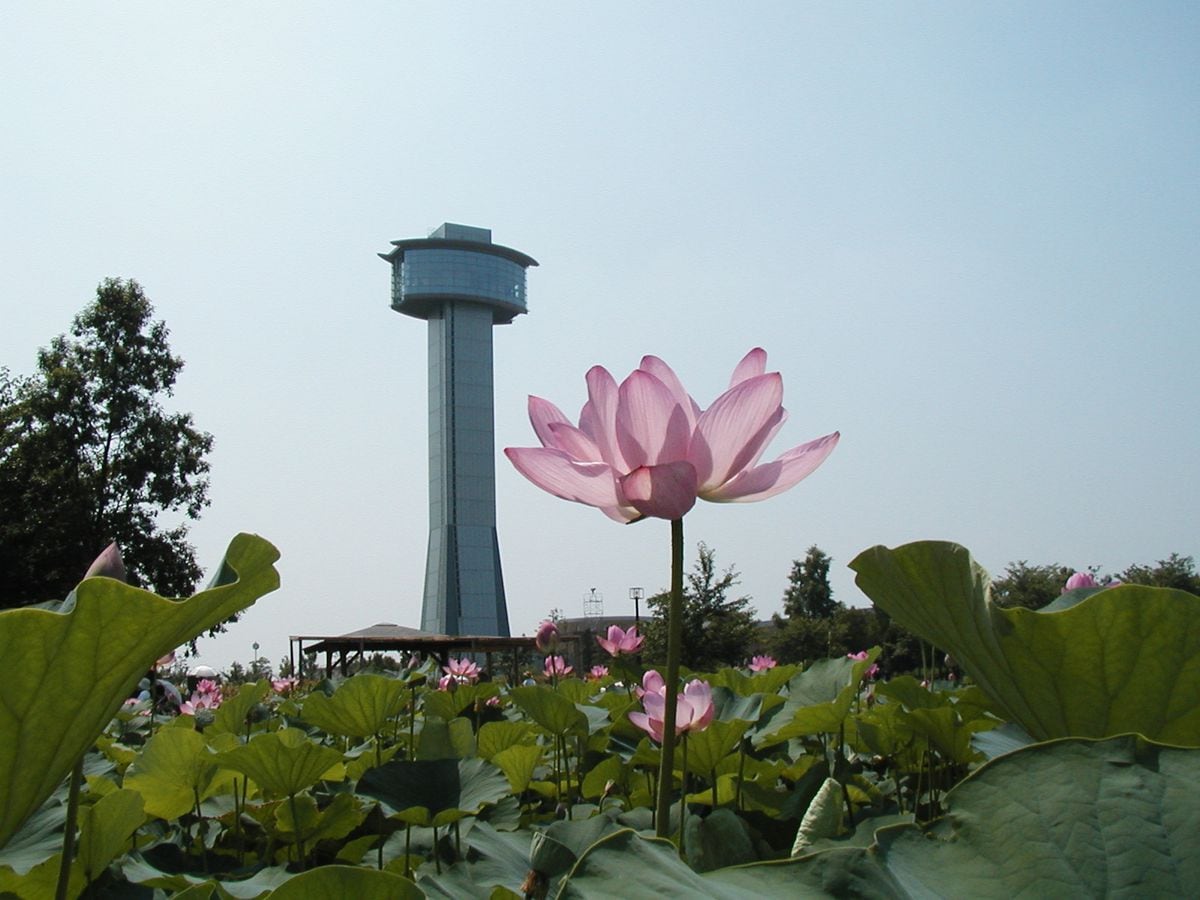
459	237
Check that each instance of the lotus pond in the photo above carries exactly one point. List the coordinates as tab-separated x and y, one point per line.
1062	765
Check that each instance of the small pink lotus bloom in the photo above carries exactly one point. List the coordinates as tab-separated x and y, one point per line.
645	448
872	671
557	667
652	683
200	700
859	656
207	686
762	663
694	710
464	671
492	701
284	685
108	564
620	641
597	672
546	637
1080	580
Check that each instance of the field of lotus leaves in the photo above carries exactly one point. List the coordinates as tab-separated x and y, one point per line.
1059	766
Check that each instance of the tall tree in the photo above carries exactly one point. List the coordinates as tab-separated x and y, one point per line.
718	630
809	593
88	455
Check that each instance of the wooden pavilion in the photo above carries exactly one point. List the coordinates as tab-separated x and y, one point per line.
385	637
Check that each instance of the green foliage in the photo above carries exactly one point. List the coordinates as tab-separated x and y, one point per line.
1031	587
1067	818
67	673
1126	659
361	706
1175	571
882	788
283	762
339	882
172	771
89	455
815	626
809	593
718	630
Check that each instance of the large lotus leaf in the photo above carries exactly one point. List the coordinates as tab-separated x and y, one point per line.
446	704
497	736
104	830
748	707
338	882
67	673
283	762
717	840
234	713
1125	659
137	871
706	749
551	710
360	707
1065	818
496	858
1068	818
767	682
39	838
171	770
430	792
819	700
445	740
518	763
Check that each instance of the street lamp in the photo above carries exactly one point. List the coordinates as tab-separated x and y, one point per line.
636	595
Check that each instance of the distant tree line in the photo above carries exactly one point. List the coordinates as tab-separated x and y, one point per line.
721	628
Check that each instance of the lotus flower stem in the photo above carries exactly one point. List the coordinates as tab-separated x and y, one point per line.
666	769
683	786
68	851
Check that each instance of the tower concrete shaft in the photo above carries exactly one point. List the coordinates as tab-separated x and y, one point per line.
461	284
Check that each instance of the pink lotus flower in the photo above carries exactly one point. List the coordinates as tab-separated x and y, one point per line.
556	667
201	699
546	637
652	683
859	656
645	448
762	663
694	710
620	641
1080	580
463	671
597	672
284	685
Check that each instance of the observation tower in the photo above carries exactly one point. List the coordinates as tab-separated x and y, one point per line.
461	284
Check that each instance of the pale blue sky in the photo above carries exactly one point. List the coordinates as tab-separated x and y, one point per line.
966	235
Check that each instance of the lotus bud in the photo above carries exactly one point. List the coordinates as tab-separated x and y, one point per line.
1080	580
108	564
546	638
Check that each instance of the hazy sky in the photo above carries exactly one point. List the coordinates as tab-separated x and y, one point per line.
966	234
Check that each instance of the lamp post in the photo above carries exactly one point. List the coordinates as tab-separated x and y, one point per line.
636	594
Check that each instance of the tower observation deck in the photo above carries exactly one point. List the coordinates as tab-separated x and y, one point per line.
461	284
